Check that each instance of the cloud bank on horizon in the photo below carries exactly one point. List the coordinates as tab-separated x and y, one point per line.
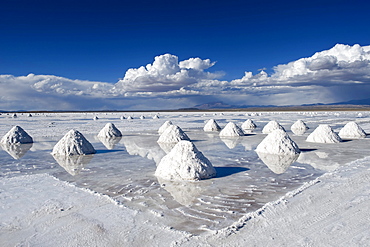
339	74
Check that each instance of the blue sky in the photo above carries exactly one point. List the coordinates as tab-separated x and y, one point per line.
193	52
100	40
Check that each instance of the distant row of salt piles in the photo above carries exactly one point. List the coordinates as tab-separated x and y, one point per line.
184	161
129	117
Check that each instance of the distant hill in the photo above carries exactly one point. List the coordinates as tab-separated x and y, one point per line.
350	105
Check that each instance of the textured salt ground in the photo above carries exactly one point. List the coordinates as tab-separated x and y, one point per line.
54	213
316	157
331	211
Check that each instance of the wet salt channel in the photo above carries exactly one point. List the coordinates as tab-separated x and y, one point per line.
124	169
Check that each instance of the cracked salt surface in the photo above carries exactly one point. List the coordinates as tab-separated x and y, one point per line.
126	172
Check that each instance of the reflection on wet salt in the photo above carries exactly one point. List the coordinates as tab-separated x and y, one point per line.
166	147
278	164
16	150
184	192
73	164
146	147
319	160
298	132
231	142
109	142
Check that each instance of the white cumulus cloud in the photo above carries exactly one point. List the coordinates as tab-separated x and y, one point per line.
339	74
165	74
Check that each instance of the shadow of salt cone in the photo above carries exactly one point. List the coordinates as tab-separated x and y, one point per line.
73	164
16	150
277	163
109	142
184	192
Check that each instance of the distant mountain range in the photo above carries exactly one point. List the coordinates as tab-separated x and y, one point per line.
221	105
352	104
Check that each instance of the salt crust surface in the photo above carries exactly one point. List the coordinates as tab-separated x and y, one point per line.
278	142
211	125
39	210
185	162
298	219
172	134
299	125
164	126
271	126
248	125
109	131
352	131
324	134
16	135
231	130
73	143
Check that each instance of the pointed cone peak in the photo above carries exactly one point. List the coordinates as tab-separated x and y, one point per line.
164	126
73	143
231	130
271	126
109	131
299	124
16	135
248	125
352	131
211	125
278	142
185	162
324	134
172	134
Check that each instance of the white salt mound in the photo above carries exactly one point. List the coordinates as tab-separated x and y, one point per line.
352	131
278	142
231	130
211	125
271	126
185	162
16	135
248	125
300	125
324	134
164	126
73	143
173	134
109	131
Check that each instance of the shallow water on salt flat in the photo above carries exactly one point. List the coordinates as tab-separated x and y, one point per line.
244	182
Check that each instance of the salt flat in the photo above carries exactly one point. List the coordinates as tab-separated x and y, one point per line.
113	197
